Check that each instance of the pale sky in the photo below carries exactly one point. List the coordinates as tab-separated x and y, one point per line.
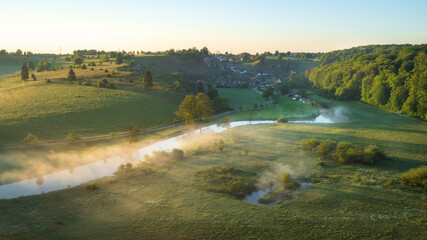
221	25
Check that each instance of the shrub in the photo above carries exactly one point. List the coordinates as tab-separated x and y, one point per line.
246	152
73	136
344	152
227	180
372	154
123	169
325	148
31	139
84	66
111	86
282	120
106	70
48	81
220	145
288	183
87	84
321	164
163	156
415	177
101	83
309	144
91	69
255	106
347	153
91	186
177	154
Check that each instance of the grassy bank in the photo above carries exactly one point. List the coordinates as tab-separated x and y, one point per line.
284	107
245	98
350	201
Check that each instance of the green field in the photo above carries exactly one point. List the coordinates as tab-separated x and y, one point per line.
12	64
274	65
285	107
51	110
242	97
167	205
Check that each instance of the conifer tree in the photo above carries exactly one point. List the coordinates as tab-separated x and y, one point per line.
71	75
24	73
148	80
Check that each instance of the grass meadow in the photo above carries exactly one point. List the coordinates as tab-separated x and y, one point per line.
351	201
242	97
51	110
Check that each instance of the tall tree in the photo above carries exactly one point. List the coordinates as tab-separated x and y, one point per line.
78	61
104	58
24	73
71	75
31	66
133	132
119	58
187	109
204	106
148	80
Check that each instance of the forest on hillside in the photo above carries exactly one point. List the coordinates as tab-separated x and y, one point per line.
392	77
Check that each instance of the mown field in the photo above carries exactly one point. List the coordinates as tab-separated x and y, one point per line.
279	65
284	107
351	201
51	110
246	98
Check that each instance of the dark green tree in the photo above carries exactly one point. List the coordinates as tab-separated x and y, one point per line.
268	92
31	66
78	61
133	132
148	80
119	58
71	75
24	73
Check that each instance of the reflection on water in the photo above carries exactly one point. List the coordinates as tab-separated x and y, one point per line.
104	167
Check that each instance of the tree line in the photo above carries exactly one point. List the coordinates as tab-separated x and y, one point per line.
392	77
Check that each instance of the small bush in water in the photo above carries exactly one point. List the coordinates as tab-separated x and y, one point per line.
287	181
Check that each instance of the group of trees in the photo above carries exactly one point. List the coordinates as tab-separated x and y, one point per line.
191	53
195	107
391	77
343	152
18	52
42	65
